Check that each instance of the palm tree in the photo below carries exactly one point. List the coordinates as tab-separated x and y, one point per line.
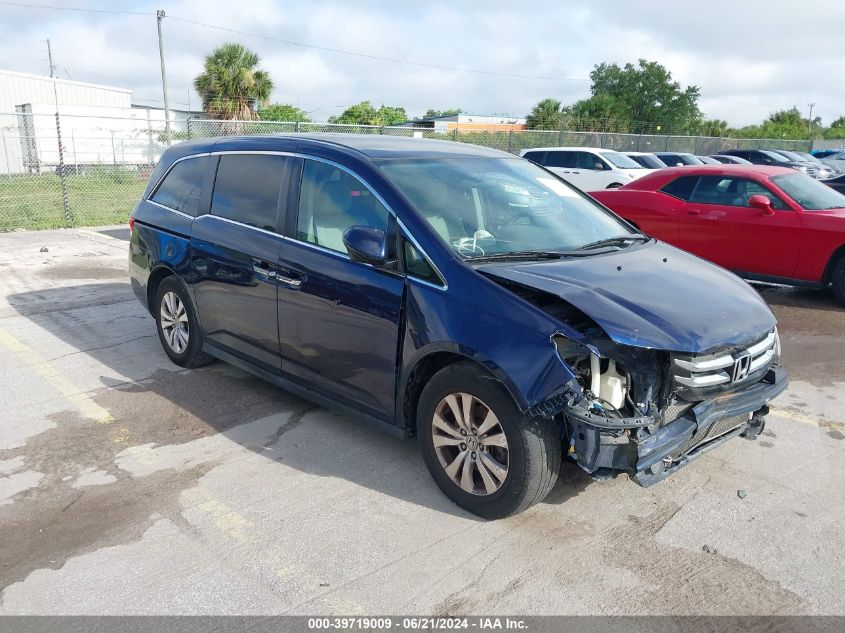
545	115
231	84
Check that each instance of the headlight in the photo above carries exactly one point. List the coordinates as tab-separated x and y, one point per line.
800	168
777	345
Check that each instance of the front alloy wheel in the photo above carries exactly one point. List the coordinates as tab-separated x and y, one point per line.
470	443
480	449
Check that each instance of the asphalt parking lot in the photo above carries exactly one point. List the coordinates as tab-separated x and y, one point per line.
130	486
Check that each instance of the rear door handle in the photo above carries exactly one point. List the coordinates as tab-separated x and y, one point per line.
693	212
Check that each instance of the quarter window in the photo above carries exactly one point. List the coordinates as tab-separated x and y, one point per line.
535	157
247	189
330	201
180	189
681	187
416	265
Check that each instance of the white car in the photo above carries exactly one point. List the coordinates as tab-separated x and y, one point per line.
588	168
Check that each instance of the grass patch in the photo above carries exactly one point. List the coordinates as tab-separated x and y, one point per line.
100	196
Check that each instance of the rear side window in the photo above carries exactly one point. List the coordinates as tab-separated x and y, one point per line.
247	189
535	157
180	190
561	159
681	187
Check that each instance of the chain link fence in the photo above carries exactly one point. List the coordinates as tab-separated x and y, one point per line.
59	171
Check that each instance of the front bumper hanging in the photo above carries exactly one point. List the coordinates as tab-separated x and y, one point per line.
650	455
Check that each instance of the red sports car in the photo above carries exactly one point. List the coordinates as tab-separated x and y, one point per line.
765	223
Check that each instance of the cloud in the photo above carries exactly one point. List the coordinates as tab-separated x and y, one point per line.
749	58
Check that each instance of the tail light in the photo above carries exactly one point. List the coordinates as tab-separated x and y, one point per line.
131	223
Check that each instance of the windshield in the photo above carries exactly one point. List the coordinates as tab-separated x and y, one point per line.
810	193
495	206
792	156
621	161
779	158
649	160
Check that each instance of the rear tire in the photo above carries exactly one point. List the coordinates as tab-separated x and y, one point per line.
837	280
177	325
460	409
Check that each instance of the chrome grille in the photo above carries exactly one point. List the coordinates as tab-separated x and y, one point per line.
726	368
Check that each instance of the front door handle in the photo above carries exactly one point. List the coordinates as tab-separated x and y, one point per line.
288	281
263	268
693	211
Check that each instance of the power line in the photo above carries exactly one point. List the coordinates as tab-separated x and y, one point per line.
26	5
375	57
329	49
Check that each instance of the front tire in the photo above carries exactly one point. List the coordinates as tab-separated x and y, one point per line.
481	451
837	280
177	325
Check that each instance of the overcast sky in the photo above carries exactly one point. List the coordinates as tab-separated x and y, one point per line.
750	57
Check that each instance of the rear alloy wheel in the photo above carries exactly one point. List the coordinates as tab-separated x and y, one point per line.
174	322
482	452
177	325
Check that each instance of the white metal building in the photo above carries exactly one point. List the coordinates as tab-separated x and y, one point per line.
99	124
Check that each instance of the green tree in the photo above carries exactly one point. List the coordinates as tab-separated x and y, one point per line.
599	113
283	112
648	94
231	84
836	129
365	114
714	127
545	115
783	124
432	114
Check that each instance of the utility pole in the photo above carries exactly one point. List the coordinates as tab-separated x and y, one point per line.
159	18
61	167
810	121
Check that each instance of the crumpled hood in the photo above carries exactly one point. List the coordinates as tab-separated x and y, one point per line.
682	304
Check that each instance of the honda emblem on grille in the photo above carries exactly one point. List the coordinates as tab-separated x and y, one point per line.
742	367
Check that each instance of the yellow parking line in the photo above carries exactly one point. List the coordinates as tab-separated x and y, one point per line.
87	407
806	419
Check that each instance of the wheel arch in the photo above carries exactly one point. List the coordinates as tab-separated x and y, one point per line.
157	275
428	363
832	261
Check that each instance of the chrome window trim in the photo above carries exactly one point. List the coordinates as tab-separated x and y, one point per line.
363	181
153	191
172	210
243	224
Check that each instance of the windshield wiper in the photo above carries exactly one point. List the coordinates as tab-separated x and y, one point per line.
613	241
525	255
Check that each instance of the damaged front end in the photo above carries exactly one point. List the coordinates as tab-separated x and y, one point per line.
648	412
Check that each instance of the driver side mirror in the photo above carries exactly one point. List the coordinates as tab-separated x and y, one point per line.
366	244
759	201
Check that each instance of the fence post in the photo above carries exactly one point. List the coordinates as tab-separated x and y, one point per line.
510	141
296	127
62	175
560	138
6	152
188	125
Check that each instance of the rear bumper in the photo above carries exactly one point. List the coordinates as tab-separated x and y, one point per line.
650	456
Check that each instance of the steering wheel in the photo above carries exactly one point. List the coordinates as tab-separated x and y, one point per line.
514	218
468	246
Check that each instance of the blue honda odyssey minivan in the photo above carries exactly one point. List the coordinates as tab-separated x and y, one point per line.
454	293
